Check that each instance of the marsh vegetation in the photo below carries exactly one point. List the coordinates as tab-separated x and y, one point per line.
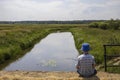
16	38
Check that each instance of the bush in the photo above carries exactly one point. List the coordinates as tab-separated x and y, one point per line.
103	26
114	24
110	24
93	25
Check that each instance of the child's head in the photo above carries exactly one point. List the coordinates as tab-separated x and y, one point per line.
85	47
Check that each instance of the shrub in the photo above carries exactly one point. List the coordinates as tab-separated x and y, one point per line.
114	24
110	24
93	25
103	26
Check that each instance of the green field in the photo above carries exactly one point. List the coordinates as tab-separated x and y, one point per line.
16	38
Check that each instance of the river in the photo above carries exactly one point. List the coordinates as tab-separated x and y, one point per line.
56	52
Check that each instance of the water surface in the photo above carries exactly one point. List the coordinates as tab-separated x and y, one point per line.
56	52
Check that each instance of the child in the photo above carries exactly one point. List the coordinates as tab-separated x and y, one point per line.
86	62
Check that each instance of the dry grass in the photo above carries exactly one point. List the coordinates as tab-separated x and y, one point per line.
22	75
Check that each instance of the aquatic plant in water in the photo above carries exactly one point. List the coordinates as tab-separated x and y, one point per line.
51	63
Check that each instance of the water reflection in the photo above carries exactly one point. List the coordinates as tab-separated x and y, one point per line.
56	52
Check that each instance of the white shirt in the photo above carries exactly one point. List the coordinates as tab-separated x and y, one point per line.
85	61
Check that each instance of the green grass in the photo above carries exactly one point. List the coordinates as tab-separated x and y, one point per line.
97	38
16	38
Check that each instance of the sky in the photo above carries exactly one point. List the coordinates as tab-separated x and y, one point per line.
21	10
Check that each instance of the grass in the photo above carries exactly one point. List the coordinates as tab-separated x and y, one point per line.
25	75
96	38
16	38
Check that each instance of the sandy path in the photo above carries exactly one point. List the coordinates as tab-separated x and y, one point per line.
22	75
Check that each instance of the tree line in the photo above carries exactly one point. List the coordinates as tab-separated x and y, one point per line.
50	22
108	24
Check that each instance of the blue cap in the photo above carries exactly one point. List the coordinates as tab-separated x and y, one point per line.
85	47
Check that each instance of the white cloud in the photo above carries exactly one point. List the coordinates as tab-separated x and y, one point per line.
58	9
102	9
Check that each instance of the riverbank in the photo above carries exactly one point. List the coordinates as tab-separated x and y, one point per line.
24	75
16	38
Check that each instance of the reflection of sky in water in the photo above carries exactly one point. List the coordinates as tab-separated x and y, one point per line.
52	53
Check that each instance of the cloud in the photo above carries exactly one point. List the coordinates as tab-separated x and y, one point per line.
59	9
107	10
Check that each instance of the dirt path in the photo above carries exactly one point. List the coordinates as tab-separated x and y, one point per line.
22	75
